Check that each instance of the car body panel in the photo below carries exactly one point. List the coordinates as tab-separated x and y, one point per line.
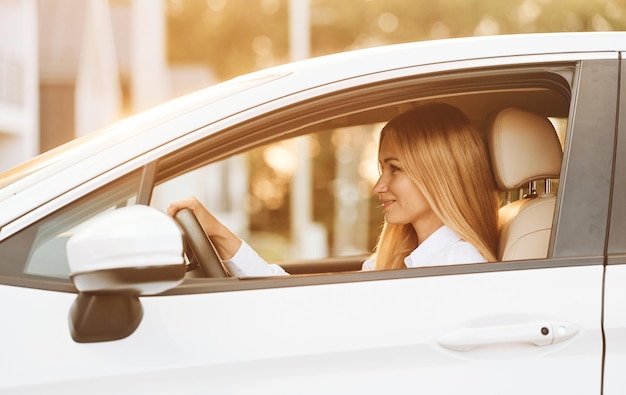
615	292
330	337
615	328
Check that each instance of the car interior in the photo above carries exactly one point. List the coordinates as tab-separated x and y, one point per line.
524	148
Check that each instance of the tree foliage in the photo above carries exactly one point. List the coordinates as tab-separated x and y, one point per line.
238	36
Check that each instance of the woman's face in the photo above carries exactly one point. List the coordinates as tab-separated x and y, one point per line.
401	200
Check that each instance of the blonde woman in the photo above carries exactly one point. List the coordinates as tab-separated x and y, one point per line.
437	191
435	188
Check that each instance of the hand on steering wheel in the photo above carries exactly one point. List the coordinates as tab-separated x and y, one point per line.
198	246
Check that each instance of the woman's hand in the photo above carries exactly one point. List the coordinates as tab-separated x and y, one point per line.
225	241
211	226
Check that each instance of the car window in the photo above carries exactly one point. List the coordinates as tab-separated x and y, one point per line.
40	249
310	197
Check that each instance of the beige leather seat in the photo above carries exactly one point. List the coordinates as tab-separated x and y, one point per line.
524	147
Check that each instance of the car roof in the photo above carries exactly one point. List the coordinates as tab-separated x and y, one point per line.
148	130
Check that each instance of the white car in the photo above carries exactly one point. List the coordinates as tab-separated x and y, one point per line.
119	309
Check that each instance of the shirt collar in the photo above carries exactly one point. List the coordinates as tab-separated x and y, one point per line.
426	253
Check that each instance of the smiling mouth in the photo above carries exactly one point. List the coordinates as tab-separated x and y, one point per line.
386	204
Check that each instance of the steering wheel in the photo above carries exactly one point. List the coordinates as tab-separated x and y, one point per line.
198	246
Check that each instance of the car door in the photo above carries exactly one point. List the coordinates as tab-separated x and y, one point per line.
504	327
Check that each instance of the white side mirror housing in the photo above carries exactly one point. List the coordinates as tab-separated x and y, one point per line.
134	249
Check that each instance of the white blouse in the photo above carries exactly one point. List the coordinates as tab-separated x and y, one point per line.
443	247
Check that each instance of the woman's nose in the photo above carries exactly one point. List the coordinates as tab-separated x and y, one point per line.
380	186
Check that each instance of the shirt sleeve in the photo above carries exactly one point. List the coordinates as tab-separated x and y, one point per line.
247	263
369	264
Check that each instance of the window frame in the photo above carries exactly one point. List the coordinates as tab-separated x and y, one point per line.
369	97
617	236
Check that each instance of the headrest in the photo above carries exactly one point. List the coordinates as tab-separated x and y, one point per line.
523	147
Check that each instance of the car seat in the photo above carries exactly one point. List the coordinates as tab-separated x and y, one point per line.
524	148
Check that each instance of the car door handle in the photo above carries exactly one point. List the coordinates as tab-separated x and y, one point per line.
538	333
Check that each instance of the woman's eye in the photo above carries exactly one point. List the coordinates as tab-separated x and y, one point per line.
394	169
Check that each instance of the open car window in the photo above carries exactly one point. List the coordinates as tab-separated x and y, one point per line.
302	196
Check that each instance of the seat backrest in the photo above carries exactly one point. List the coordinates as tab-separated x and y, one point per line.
524	147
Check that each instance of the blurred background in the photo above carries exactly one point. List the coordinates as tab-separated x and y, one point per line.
68	67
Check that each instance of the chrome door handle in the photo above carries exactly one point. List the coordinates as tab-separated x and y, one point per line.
538	333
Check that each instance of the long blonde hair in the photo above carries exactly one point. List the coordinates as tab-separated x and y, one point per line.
446	158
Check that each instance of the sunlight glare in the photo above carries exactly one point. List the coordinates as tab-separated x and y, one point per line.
281	159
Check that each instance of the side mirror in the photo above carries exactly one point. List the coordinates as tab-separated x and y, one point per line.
115	258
